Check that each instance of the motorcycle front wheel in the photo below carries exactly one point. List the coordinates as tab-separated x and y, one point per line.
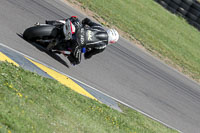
40	32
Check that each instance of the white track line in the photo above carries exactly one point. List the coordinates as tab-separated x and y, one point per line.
92	88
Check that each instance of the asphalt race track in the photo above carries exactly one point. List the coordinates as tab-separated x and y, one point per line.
122	71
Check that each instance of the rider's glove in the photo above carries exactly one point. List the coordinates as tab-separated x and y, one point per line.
87	55
85	21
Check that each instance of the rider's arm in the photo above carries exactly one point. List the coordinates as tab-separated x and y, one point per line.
92	52
95	49
94	45
87	21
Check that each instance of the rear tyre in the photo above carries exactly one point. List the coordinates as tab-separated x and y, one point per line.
191	16
182	11
163	3
173	5
188	2
177	1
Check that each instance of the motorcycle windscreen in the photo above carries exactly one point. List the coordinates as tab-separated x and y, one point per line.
67	30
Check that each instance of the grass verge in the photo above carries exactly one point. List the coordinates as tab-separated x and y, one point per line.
31	103
168	36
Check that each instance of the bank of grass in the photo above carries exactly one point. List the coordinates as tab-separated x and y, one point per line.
164	34
33	104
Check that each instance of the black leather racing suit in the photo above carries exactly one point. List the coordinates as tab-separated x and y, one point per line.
93	37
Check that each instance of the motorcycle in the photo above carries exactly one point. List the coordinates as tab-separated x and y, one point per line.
57	37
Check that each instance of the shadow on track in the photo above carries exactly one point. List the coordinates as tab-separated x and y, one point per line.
53	55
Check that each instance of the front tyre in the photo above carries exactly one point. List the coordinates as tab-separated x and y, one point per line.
40	32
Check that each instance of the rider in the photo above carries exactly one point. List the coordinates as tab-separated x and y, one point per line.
90	35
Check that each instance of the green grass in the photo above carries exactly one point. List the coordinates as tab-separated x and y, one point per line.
162	33
33	104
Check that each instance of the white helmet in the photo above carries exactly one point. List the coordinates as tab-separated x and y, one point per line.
113	36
